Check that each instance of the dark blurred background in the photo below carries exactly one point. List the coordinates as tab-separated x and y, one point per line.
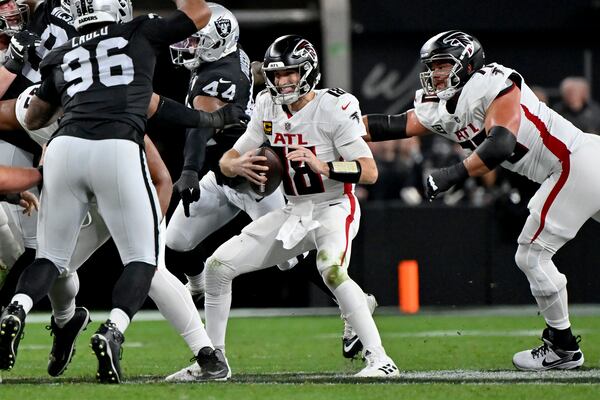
465	241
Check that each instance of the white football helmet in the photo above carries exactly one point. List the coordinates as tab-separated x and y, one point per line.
216	40
87	12
13	16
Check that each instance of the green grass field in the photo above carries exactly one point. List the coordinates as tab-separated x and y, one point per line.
453	356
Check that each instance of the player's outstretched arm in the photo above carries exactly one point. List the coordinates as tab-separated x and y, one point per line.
16	179
8	118
166	110
196	10
6	79
382	127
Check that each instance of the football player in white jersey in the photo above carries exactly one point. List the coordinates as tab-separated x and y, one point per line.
318	136
498	120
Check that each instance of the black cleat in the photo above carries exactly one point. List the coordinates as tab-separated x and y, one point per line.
106	344
63	346
213	365
12	323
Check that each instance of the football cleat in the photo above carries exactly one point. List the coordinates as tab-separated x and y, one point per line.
549	356
106	344
12	323
210	365
63	346
379	365
351	344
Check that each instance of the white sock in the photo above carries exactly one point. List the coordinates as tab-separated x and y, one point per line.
24	300
354	307
175	304
216	310
197	281
119	318
555	309
62	298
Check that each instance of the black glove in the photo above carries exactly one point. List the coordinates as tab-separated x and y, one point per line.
232	115
22	45
443	179
188	187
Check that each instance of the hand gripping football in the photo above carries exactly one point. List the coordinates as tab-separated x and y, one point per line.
273	174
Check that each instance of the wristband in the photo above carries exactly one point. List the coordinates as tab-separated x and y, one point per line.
345	171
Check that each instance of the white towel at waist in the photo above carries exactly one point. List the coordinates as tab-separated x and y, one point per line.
297	225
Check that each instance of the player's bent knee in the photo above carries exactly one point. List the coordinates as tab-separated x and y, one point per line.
334	276
536	263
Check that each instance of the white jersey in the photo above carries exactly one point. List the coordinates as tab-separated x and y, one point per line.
544	138
42	135
331	120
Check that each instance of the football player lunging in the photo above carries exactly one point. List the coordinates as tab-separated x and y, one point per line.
98	153
491	112
311	130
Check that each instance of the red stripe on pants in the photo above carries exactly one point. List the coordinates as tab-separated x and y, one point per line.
560	150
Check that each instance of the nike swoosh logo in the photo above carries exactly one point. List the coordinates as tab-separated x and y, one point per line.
346	106
351	345
335	204
259	200
221	80
554	363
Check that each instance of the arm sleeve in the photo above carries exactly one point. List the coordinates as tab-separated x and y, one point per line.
354	150
171	29
194	151
47	91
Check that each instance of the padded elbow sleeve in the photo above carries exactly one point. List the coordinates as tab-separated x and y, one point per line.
497	147
387	127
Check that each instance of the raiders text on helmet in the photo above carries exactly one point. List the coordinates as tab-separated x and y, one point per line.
87	12
458	48
291	52
216	40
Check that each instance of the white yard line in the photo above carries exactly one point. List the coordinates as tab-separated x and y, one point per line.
152	315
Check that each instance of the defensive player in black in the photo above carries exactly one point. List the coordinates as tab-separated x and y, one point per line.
103	81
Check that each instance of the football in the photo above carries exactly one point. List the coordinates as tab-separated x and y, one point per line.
273	174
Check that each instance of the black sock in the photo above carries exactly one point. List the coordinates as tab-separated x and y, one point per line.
307	270
562	338
8	290
37	279
132	287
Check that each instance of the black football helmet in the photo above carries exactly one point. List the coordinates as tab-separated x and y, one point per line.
458	48
291	52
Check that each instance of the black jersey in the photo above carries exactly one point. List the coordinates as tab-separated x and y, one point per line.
53	25
230	80
103	79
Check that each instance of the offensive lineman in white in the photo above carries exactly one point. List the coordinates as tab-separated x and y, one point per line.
311	130
496	118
